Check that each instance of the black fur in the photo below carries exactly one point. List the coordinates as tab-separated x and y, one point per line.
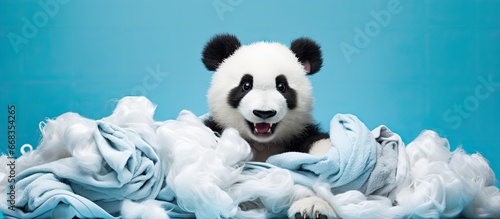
290	94
304	141
307	49
219	48
212	124
237	93
298	143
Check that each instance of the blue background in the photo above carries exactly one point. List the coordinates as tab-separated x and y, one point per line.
410	73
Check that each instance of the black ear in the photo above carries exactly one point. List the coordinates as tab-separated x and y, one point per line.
219	48
309	54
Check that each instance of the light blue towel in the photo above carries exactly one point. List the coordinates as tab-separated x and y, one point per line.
347	166
63	189
131	169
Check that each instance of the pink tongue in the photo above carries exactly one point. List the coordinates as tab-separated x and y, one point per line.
262	127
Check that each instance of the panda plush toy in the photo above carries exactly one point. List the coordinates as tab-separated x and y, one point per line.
262	90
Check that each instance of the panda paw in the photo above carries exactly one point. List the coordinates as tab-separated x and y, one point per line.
311	208
321	147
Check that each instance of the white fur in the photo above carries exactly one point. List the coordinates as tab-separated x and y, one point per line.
321	147
312	207
265	61
264	99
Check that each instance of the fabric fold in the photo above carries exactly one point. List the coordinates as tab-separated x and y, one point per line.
131	169
346	166
128	165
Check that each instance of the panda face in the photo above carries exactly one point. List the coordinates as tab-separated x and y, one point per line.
262	90
263	105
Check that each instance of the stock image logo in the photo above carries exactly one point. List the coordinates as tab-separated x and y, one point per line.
224	6
363	37
30	26
150	81
461	111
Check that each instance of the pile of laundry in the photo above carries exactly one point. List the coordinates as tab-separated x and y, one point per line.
129	165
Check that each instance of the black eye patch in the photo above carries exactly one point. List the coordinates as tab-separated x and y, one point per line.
238	92
289	93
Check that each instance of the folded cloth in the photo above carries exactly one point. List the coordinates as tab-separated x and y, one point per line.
382	180
65	188
113	164
346	166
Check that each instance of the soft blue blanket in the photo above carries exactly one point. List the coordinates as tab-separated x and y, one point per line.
131	170
356	162
198	173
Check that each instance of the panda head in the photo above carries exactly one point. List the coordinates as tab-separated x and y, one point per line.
261	89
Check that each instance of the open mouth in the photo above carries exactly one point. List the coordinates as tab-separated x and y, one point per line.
262	129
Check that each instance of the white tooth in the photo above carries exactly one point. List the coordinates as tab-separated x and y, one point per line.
271	125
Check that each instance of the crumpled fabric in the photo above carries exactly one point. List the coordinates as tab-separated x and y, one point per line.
131	169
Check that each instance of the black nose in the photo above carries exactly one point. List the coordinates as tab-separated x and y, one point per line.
264	114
